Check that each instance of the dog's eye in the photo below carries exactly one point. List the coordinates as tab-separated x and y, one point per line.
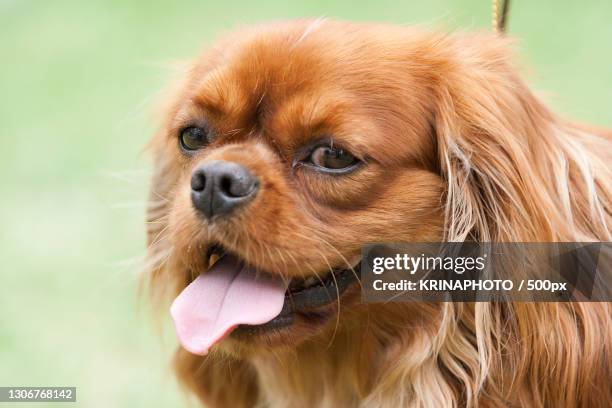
332	159
193	138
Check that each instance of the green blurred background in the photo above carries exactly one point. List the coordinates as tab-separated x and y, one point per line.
77	82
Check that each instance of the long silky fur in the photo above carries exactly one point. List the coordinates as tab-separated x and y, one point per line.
512	172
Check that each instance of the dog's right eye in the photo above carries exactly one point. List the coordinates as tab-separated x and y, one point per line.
193	138
329	159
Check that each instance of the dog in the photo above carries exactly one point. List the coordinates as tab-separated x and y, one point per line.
284	148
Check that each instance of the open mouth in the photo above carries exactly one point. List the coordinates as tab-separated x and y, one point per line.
232	297
304	297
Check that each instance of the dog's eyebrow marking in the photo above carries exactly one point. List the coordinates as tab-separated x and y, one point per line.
210	95
309	29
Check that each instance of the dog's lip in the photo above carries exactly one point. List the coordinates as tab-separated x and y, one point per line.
303	297
324	292
309	303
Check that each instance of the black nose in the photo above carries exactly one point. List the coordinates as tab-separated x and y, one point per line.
218	187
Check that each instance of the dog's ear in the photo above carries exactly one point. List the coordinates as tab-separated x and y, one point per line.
509	164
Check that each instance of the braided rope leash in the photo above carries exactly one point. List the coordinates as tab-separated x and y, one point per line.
500	18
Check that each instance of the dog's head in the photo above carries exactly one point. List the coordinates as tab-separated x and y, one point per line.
287	148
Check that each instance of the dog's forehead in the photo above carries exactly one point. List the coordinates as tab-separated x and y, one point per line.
301	81
279	81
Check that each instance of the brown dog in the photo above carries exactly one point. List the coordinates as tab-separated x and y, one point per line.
287	147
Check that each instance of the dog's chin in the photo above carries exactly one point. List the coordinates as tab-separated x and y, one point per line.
312	307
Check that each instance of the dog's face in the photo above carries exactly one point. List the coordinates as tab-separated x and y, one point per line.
290	148
287	148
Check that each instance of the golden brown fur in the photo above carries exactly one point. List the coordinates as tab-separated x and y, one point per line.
457	148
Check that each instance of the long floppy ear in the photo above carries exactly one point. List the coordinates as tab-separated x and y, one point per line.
514	171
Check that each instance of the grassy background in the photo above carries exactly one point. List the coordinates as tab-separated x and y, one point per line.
76	82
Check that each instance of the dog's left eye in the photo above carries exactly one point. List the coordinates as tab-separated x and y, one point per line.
332	159
193	138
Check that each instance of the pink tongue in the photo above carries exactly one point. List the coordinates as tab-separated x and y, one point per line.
226	295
